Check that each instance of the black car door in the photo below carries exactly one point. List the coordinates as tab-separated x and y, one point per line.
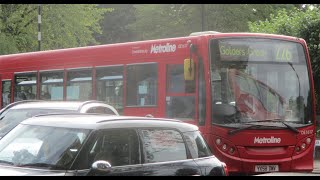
172	168
119	147
165	154
202	155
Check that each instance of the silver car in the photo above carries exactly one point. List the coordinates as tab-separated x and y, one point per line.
14	113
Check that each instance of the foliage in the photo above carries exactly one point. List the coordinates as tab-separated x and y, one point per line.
155	21
66	25
7	46
16	20
172	20
62	26
114	24
70	25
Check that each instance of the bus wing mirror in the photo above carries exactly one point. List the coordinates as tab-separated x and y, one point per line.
188	69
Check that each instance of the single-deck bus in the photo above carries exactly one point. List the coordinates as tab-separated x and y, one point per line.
251	94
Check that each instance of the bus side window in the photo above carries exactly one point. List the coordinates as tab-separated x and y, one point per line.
25	86
6	92
51	85
109	86
79	84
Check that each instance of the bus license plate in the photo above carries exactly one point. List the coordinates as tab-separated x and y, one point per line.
266	168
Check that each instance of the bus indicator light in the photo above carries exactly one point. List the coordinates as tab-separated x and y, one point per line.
308	140
224	147
231	150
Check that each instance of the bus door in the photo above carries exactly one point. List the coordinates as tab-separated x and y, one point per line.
141	89
180	94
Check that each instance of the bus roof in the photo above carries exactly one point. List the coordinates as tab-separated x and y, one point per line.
194	35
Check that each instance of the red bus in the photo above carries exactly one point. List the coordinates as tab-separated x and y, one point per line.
251	94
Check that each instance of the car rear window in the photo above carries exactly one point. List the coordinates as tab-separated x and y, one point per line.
197	145
163	145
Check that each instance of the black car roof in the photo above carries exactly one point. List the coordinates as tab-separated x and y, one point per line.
99	121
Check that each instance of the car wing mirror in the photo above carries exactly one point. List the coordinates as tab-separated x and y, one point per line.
101	166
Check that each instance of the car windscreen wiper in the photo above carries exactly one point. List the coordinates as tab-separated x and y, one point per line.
281	121
6	162
51	166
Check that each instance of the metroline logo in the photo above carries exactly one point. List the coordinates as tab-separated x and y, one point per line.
163	48
265	140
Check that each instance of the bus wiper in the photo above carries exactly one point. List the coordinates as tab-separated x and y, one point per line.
281	121
231	132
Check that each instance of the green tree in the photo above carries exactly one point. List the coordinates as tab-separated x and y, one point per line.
7	46
15	20
62	26
70	25
155	21
234	17
114	25
171	20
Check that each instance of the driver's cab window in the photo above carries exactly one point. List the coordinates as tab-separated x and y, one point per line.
222	87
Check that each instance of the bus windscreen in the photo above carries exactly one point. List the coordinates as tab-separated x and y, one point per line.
259	79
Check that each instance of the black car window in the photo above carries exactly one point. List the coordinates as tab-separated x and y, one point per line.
197	145
163	145
118	146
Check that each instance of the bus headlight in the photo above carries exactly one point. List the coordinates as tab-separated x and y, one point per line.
218	141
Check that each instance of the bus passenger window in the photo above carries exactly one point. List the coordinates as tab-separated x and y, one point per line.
109	86
6	92
79	85
25	86
51	85
142	80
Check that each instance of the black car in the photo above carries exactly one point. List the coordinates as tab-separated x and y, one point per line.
88	144
14	113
